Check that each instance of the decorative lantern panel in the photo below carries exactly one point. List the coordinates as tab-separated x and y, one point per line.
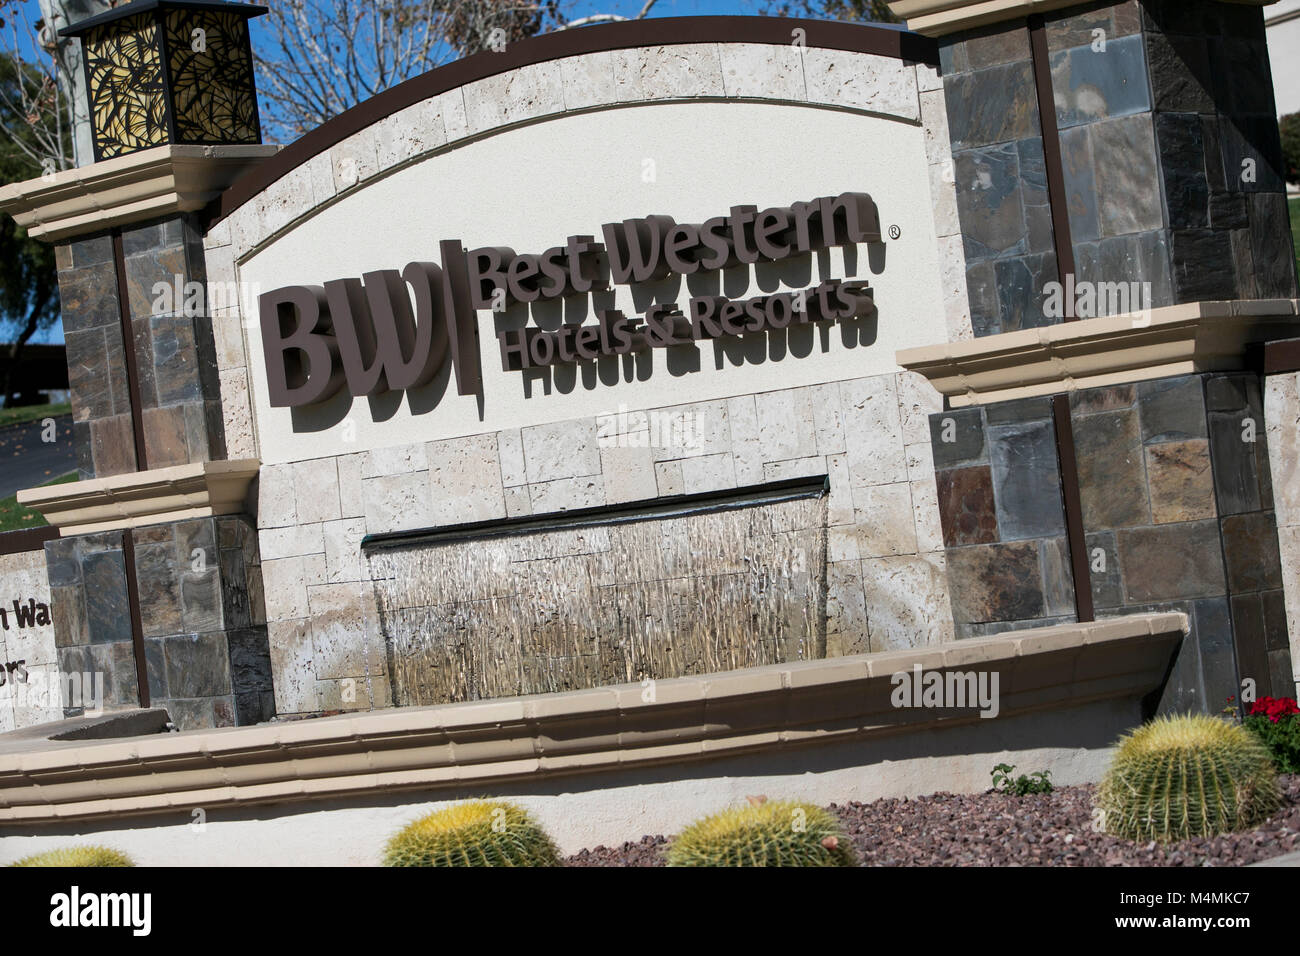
170	71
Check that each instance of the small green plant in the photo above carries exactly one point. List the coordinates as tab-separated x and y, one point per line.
1187	776
1275	722
77	856
780	833
474	833
1037	782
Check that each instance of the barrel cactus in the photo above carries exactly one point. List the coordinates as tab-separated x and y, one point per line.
475	833
1187	776
77	856
777	833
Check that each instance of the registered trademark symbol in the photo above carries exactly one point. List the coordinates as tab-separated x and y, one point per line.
894	232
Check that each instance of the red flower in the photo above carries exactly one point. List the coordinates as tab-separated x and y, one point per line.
1274	708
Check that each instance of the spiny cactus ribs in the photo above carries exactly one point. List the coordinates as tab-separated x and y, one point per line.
780	833
77	856
475	833
1181	777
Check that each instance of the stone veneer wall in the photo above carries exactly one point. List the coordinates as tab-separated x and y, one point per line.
1002	515
205	640
174	350
1177	508
1153	131
28	657
886	569
1282	413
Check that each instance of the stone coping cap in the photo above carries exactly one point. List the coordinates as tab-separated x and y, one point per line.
935	18
1172	340
132	188
200	489
477	743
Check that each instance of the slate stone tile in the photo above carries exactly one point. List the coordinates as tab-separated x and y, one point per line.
156	580
1091	85
145	271
197	665
1215	175
175	363
1022	291
191	714
1250	550
1198	258
201	600
957	438
138	239
1214	637
1128	17
1179	68
952	55
1124	158
1226	393
1228	211
88	297
165	438
1182	165
68	615
1274	607
989	200
1252	154
62	563
1142	257
1112	480
1103	569
1233	458
1243	84
234	589
1282	674
1018	411
153	534
1076	27
1172	409
198	419
982	291
115	369
1027	479
1080	184
250	660
993	628
1033	195
199	534
107	609
1109	398
112	445
995	44
223	712
254	707
92	250
994	105
85	455
1272	248
967	510
1180	481
155	669
1249	640
88	382
1169	562
1058	578
142	342
997	582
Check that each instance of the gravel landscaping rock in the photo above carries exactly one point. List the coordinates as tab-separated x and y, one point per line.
993	829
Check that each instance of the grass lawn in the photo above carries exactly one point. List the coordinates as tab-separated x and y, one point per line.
1293	206
27	413
14	517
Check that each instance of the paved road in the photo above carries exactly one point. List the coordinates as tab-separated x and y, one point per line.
26	461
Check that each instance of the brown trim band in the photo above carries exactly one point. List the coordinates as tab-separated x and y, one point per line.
1074	534
137	619
665	31
128	352
1283	356
1052	162
27	539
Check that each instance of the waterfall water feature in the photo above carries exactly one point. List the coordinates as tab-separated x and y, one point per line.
656	595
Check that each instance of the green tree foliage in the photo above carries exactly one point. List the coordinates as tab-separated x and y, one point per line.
29	298
1289	126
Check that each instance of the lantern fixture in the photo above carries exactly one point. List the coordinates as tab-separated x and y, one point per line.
162	72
